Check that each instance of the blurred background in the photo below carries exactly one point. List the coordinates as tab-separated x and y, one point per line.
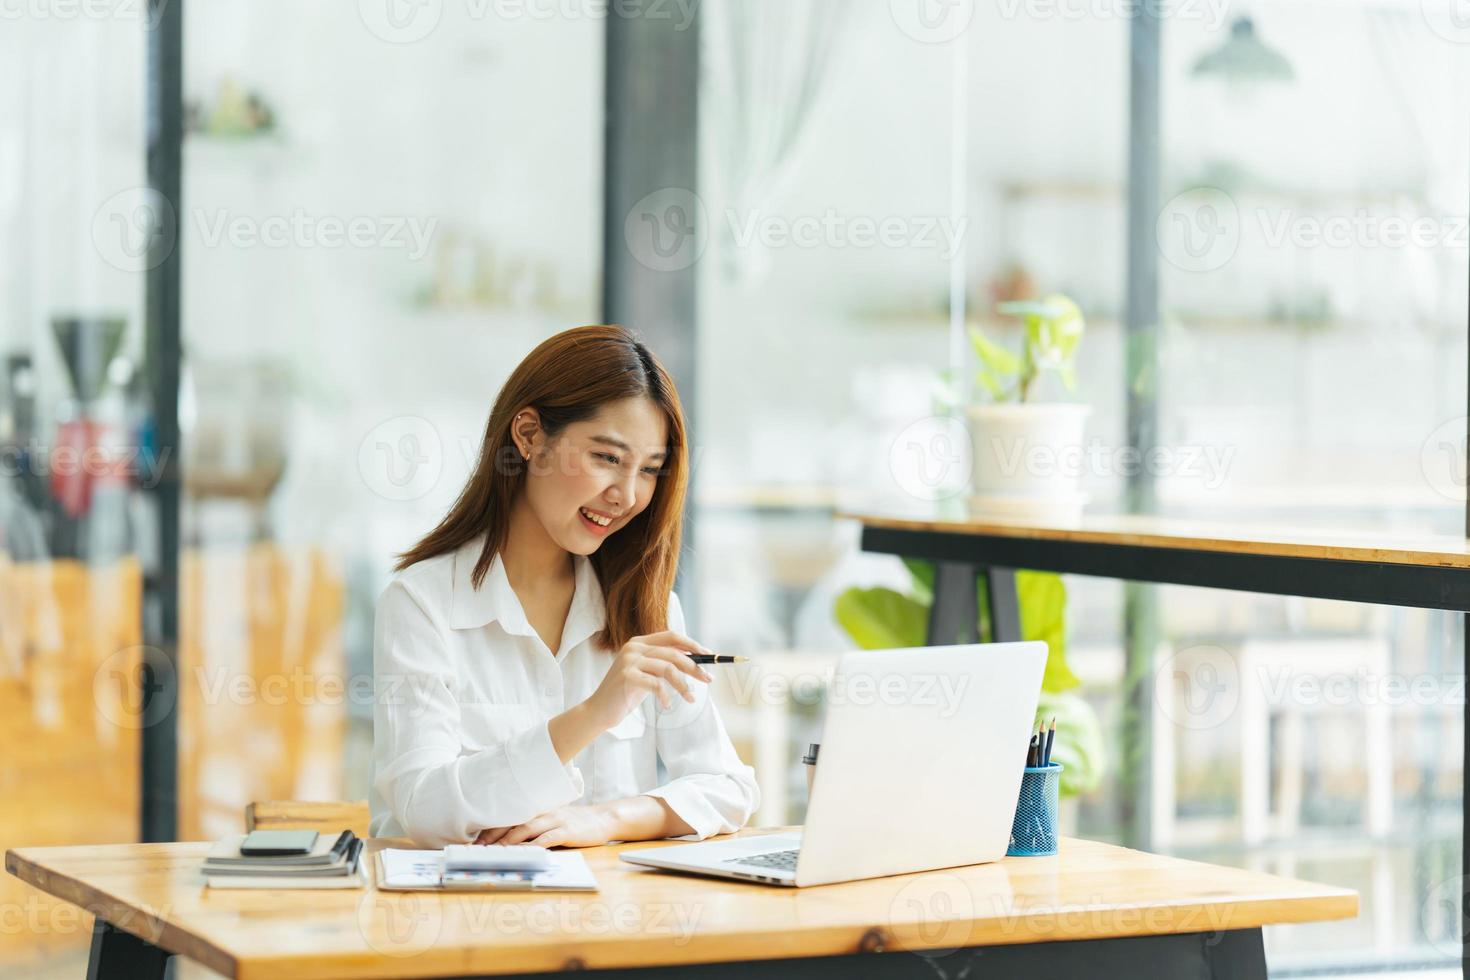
383	206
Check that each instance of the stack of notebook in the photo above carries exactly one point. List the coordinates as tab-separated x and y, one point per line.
331	863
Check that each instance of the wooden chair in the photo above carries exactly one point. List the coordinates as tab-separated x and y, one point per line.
327	816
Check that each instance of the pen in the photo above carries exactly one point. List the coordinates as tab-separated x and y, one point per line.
1050	737
717	658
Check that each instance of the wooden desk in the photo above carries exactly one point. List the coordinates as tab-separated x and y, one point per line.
1117	910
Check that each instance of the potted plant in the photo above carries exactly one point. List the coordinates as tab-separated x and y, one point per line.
1028	454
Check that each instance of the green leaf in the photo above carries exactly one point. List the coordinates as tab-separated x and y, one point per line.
923	573
995	357
1079	744
1042	597
1053	329
880	618
991	382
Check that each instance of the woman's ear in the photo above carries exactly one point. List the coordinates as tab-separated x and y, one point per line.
525	430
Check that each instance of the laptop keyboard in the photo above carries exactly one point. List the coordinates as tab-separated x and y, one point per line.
782	860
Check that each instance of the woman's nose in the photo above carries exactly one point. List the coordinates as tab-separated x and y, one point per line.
623	496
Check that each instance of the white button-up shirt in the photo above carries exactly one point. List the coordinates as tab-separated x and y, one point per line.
464	687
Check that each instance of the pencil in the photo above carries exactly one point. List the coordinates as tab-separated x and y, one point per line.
717	658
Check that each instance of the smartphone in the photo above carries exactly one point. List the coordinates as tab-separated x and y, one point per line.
276	842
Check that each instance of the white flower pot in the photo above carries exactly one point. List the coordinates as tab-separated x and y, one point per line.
1028	460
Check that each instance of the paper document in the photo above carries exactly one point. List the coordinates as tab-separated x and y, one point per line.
406	870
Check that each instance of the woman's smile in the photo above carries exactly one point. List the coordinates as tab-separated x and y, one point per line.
592	525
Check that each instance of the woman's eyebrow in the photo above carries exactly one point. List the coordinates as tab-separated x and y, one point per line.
610	441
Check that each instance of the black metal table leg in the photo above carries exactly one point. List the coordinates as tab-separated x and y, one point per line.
1005	605
955	615
119	955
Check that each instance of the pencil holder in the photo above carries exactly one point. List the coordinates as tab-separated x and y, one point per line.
1034	830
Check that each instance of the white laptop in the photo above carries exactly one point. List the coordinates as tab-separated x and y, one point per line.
920	768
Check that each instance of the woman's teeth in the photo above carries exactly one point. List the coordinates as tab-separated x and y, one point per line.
595	519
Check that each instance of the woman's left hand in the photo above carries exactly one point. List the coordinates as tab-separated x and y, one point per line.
566	826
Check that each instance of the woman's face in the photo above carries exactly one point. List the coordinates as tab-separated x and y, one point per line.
601	469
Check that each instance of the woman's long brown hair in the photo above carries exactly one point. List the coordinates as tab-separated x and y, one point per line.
567	379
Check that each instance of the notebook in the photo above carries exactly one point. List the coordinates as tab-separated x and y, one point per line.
333	863
328	850
356	878
410	870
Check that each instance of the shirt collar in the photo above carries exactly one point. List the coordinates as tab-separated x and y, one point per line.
496	601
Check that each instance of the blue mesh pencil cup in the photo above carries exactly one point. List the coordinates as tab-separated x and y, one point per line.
1034	829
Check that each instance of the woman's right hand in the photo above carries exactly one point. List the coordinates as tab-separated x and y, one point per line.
657	662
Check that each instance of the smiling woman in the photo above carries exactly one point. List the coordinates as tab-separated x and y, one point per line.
517	646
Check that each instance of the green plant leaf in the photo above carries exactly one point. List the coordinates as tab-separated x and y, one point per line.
923	573
1052	329
991	384
1042	597
1079	744
880	618
995	357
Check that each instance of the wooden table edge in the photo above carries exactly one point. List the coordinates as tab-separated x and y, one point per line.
1361	550
626	953
144	924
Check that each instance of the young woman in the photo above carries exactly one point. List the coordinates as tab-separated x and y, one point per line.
516	649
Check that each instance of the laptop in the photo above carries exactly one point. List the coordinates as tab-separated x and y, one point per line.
920	768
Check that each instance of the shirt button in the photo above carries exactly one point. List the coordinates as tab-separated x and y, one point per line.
550	691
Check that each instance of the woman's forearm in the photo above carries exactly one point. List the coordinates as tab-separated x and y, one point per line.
573	730
643	818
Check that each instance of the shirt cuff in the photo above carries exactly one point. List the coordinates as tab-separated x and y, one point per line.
545	781
691	806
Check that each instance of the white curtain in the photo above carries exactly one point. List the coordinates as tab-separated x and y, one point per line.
1428	77
769	64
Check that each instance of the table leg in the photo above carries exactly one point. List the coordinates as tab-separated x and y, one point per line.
1234	955
955	615
1005	605
119	955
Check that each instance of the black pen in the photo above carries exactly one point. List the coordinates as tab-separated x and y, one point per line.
717	658
1050	737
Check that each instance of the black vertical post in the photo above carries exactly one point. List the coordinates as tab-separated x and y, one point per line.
162	356
1140	336
653	228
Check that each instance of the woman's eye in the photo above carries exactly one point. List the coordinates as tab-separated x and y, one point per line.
653	471
607	456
